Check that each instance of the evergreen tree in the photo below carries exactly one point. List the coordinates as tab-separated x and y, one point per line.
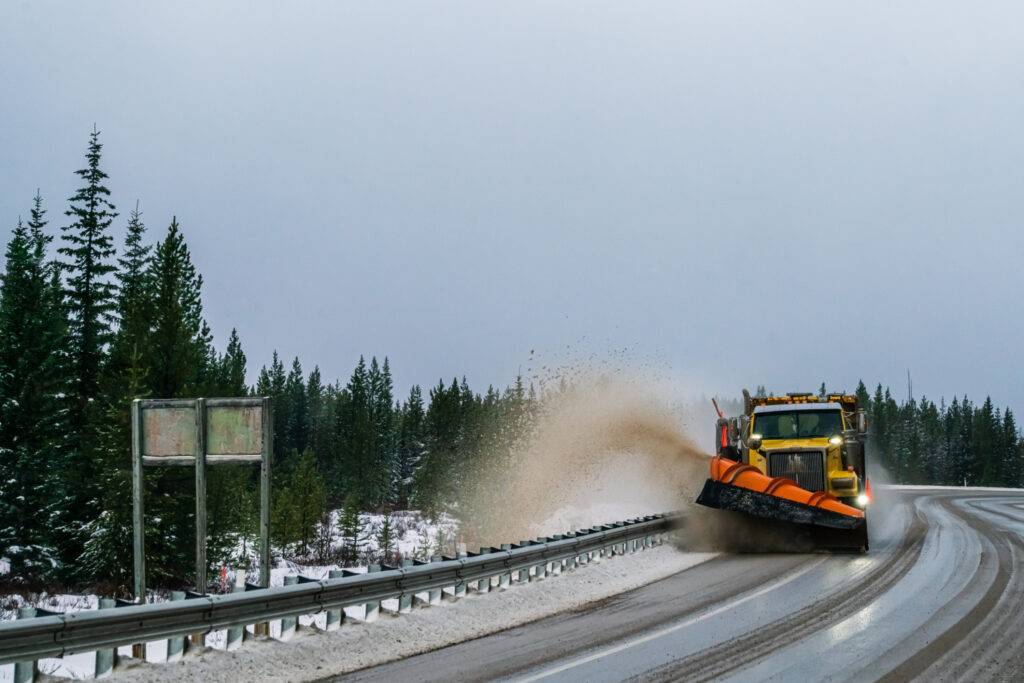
90	293
301	502
351	530
411	444
386	540
319	424
31	430
1009	460
180	339
233	368
296	433
381	403
90	298
181	353
358	439
982	471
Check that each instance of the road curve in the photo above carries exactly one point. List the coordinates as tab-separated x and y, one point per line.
939	597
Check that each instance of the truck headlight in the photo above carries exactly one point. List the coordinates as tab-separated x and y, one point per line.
862	500
836	440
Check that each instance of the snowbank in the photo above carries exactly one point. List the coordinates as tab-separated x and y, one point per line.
313	654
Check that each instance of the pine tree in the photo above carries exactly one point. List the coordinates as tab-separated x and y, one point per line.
439	477
319	424
124	379
180	352
358	439
180	340
983	472
411	444
351	530
90	293
233	368
301	501
386	540
31	429
381	403
90	298
1010	474
296	430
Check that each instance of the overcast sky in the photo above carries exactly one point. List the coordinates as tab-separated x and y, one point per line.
724	193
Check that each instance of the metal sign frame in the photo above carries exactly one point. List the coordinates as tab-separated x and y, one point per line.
184	441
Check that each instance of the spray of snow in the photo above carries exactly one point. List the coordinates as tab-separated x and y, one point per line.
602	450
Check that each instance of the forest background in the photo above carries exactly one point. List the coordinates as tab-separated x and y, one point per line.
86	327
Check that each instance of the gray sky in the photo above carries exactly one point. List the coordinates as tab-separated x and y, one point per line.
726	193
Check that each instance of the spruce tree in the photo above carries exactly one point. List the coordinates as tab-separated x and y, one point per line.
90	294
180	355
351	530
411	445
381	403
233	368
358	439
180	339
32	496
296	429
124	379
90	298
386	540
319	424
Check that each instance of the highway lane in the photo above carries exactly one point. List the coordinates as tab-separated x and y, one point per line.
939	597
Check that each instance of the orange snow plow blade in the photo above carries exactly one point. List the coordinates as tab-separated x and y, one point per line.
743	488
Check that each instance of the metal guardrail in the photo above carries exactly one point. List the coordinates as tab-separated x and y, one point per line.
58	635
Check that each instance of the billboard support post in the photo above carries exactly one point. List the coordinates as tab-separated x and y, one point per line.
200	432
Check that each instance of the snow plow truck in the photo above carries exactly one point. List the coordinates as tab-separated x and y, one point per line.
799	460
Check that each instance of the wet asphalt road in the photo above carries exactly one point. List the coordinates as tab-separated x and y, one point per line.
939	597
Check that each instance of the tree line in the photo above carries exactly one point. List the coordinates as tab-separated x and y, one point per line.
959	443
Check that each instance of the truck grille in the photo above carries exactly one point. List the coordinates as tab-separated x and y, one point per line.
806	468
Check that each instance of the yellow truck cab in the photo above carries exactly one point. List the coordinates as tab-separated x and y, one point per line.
816	441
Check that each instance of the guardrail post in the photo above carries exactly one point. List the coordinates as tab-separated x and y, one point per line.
405	599
263	627
460	586
373	608
523	575
198	639
541	569
505	579
236	634
484	584
434	596
571	562
556	566
105	658
335	616
138	649
176	645
26	672
289	624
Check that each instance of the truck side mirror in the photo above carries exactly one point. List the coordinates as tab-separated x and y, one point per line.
862	422
754	442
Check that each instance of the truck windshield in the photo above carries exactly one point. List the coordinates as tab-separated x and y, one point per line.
798	424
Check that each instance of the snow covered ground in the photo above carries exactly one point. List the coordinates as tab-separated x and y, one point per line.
414	537
314	653
357	644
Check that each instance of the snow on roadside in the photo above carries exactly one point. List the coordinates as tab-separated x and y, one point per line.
313	654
